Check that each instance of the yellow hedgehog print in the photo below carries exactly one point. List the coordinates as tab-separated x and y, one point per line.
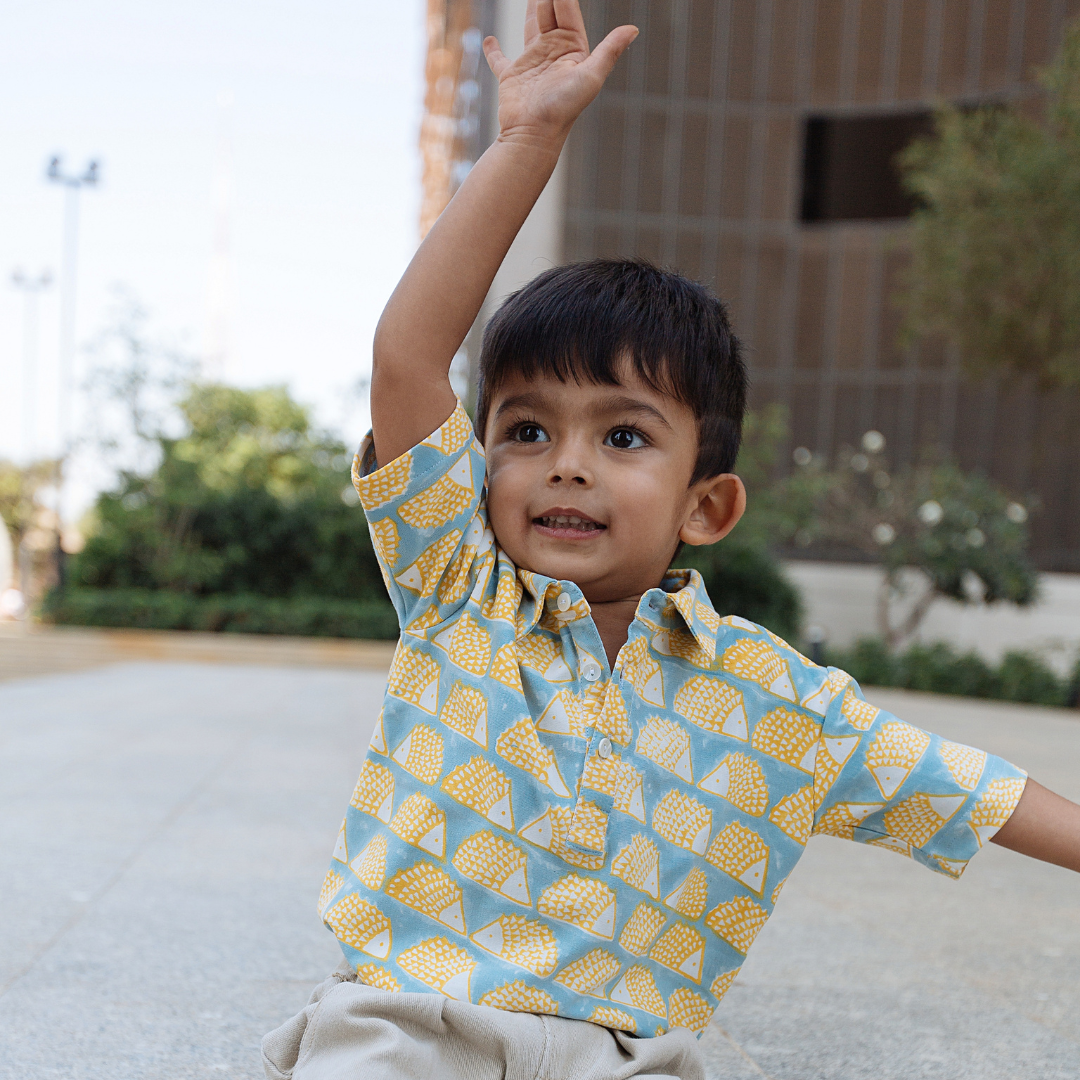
370	865
793	815
918	817
741	781
481	786
465	712
788	736
588	827
757	661
995	807
637	989
666	743
505	670
503	605
551	831
742	855
619	779
612	719
543	654
453	435
377	744
467	644
641	929
440	964
380	487
691	896
895	751
858	713
606	1016
420	822
362	925
685	646
683	821
843	819
722	983
965	763
713	705
527	943
589	974
331	884
384	536
425	888
583	902
832	756
423	576
521	746
564	715
638	864
443	502
421	753
423	623
341	848
680	948
374	791
414	677
495	863
518	996
379	977
686	1009
737	922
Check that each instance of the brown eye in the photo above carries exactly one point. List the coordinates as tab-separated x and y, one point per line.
531	433
625	439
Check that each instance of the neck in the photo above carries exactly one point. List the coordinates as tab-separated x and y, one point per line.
613	619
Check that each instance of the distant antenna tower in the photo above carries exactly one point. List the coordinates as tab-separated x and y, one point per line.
219	293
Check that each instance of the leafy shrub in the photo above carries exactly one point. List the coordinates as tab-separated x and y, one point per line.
939	669
148	609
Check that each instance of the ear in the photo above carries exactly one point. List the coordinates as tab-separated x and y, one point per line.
716	506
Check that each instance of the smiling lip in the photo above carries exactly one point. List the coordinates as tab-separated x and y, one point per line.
566	523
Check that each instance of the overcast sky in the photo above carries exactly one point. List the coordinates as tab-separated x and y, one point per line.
325	195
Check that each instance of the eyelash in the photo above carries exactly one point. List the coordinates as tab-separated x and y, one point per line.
517	423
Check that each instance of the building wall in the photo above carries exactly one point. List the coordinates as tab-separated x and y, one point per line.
692	157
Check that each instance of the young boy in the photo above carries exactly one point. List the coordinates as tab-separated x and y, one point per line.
586	787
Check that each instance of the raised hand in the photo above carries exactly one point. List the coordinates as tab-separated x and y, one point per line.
545	89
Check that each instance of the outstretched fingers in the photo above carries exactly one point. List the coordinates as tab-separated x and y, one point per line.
494	56
568	15
607	53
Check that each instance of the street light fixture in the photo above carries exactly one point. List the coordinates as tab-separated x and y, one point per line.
73	183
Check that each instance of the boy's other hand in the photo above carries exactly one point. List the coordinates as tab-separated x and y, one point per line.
545	89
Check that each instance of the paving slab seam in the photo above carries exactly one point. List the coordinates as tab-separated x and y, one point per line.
741	1052
163	825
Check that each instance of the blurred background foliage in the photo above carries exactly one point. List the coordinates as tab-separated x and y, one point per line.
996	240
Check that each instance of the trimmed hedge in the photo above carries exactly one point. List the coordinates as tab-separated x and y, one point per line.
150	609
939	669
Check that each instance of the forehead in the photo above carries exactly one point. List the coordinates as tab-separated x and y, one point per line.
588	400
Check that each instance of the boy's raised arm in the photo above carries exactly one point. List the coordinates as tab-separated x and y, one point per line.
1044	826
541	94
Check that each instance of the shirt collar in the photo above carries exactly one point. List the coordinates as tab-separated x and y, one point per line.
682	595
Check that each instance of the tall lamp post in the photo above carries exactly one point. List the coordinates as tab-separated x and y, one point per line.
73	183
31	288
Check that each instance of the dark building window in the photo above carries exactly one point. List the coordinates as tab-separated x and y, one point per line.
849	166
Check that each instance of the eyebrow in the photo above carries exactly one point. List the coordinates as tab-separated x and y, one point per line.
614	403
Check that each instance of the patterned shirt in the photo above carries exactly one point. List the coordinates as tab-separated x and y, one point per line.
535	831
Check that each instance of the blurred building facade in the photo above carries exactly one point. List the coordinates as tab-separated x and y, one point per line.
749	144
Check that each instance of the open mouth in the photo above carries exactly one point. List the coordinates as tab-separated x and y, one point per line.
576	523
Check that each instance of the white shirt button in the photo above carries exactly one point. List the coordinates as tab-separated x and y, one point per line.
591	672
603	749
563	602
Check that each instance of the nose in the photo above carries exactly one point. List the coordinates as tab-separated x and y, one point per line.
570	465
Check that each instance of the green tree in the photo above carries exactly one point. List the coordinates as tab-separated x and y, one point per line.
250	498
996	242
963	536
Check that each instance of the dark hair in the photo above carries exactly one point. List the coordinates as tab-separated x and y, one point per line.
580	322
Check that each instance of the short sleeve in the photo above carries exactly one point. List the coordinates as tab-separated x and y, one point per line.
428	519
883	782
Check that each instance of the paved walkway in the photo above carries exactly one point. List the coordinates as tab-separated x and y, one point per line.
164	829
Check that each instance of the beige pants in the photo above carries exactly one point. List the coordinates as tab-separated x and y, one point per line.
350	1031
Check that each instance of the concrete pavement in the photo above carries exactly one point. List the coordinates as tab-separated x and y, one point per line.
164	829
